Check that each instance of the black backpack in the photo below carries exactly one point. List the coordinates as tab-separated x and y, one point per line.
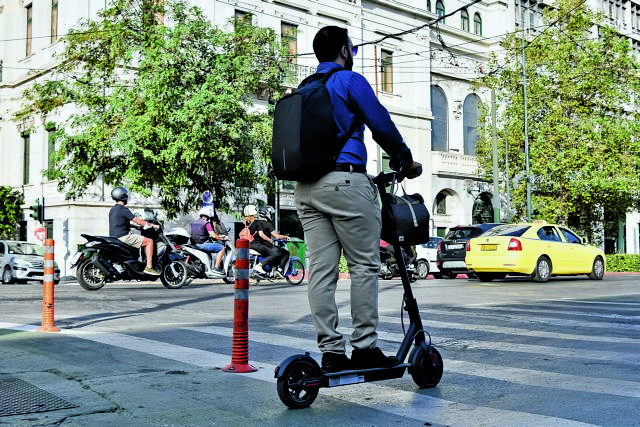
305	143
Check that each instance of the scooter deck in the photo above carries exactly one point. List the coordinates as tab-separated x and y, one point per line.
355	376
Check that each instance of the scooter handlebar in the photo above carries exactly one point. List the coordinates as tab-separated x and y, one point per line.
385	178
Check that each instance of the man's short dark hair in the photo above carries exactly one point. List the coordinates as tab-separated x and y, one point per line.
329	41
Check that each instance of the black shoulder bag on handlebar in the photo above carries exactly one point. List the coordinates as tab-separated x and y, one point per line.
405	219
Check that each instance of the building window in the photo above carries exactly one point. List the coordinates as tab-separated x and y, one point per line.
429	5
464	20
439	125
384	162
51	150
26	157
532	13
441	204
243	17
440	9
635	18
386	69
54	20
289	35
477	24
29	36
470	114
615	11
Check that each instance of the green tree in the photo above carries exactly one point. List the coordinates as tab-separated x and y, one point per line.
583	98
164	107
10	211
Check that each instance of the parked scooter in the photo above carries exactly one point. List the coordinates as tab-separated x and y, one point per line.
389	266
106	259
293	272
201	263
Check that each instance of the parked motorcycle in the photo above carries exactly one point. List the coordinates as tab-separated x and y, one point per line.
201	263
389	266
294	271
106	259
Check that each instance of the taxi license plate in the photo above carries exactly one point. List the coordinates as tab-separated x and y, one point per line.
488	247
456	246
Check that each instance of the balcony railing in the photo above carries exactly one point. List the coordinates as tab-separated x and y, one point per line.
295	73
454	164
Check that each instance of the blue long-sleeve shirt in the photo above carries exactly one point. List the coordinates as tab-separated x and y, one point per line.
354	101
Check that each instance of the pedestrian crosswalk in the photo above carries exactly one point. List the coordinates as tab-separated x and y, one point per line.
552	363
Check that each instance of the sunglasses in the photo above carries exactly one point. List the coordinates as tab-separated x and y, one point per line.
354	50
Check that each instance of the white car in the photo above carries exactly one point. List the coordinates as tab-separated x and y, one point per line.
22	262
427	252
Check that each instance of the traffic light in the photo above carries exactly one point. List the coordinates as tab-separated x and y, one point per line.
37	210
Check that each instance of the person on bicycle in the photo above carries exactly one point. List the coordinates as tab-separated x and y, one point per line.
340	212
265	214
202	232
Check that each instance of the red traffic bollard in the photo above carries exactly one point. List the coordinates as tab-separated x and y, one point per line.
240	348
47	289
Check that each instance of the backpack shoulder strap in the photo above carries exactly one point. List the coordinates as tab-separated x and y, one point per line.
322	77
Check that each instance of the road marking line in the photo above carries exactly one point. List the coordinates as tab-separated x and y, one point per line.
514	375
545	320
398	402
516	331
542	310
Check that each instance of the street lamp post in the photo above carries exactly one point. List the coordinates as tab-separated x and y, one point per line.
526	118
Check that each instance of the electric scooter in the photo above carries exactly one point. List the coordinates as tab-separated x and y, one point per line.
299	377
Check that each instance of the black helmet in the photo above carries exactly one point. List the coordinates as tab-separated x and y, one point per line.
266	212
120	194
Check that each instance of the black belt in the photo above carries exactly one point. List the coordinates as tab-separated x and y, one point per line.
348	167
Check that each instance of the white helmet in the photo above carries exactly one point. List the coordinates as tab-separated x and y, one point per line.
206	211
250	210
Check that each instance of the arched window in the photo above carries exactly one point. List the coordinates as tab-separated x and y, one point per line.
439	125
470	113
429	5
464	20
440	9
441	204
477	24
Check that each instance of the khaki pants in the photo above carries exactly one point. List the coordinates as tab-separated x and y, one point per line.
341	212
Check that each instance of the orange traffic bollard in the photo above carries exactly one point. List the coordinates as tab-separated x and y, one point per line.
240	346
47	289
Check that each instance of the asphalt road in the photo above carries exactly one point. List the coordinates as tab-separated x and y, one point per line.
516	353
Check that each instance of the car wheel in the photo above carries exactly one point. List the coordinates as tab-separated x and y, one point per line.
597	272
543	270
423	269
7	277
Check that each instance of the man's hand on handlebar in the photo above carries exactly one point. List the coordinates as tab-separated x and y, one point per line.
412	172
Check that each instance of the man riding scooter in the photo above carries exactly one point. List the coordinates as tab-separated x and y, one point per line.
120	219
201	231
279	264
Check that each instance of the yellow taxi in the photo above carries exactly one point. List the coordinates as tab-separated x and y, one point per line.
537	249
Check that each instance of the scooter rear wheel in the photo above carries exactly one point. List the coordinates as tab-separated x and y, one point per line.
230	276
291	389
89	276
426	369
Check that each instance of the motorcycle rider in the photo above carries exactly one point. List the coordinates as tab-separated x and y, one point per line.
120	219
265	214
261	243
201	230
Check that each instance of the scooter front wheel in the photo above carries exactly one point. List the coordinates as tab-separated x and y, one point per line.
292	389
299	276
174	275
426	368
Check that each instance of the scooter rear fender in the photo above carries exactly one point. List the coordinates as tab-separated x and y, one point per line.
282	366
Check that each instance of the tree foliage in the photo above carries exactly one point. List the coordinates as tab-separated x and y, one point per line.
10	210
164	101
583	90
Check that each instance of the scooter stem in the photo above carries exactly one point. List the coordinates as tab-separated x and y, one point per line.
411	306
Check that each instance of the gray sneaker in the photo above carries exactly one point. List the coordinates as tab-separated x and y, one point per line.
277	273
151	271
